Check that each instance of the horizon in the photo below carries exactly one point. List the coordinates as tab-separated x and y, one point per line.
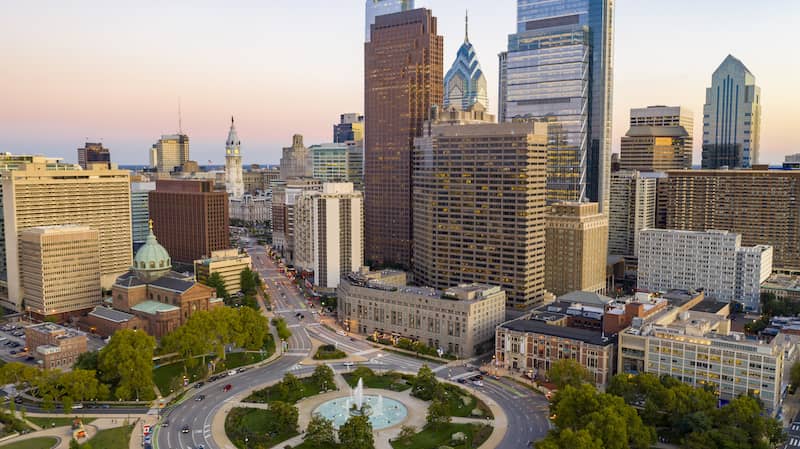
65	86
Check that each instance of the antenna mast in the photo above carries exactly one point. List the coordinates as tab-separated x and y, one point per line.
180	123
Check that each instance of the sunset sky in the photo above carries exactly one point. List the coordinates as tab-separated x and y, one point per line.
98	70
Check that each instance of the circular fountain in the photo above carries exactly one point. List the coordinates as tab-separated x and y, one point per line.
381	412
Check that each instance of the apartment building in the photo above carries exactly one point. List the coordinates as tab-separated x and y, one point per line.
229	263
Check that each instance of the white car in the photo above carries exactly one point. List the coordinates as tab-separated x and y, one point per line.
77	406
348	364
342	333
232	372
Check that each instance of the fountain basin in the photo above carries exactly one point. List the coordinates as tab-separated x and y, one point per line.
384	412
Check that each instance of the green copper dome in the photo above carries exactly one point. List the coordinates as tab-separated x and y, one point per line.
151	261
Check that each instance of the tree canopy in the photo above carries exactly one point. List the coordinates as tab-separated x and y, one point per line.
320	431
565	372
126	364
424	384
356	433
216	282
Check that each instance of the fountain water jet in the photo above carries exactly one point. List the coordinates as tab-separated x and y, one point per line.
381	412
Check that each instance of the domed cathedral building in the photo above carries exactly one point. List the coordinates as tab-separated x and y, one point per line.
152	297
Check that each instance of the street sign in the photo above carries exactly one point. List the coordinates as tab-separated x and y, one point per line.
146	429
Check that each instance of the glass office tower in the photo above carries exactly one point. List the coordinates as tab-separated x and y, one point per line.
558	69
375	8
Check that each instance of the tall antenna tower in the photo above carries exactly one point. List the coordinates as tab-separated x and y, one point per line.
180	123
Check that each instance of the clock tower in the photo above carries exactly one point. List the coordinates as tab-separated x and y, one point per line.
233	165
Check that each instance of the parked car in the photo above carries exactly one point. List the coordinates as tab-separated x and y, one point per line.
199	384
77	406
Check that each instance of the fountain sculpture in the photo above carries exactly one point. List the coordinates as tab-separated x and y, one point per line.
382	412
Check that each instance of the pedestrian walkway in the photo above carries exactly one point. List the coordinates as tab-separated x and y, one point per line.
64	433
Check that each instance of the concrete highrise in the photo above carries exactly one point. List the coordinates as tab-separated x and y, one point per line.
93	153
479	204
329	233
190	218
44	192
296	160
731	117
284	200
403	78
761	205
577	247
632	208
234	184
464	83
170	152
659	139
375	8
558	69
350	128
140	211
60	269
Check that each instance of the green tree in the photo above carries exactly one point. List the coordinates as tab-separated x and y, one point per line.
216	282
73	444
323	377
127	364
568	372
570	439
320	431
362	372
87	361
283	331
249	281
66	404
438	413
18	373
794	374
285	415
424	384
356	433
406	431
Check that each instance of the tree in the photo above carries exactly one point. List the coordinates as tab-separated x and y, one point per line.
87	361
73	444
323	377
363	372
406	431
320	431
424	384
285	415
356	433
568	372
438	413
66	404
216	282
249	280
127	364
568	438
291	382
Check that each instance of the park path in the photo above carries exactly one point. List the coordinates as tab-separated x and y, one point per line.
64	433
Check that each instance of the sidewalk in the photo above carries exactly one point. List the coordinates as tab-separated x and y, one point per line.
64	433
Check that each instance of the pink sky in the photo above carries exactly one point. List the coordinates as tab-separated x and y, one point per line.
99	70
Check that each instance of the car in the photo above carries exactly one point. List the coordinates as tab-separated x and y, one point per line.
462	381
18	400
232	372
185	429
200	397
77	406
199	384
227	388
477	383
106	406
213	378
348	364
13	351
242	369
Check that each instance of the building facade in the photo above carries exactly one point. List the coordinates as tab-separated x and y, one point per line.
55	346
479	205
659	139
170	152
339	162
190	218
140	211
762	205
576	248
464	83
257	179
296	160
45	192
329	233
403	71
229	263
459	321
252	208
731	117
349	129
558	69
632	208
375	8
284	200
60	269
93	153
713	261
234	184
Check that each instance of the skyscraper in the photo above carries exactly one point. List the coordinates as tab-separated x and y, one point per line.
339	162
558	69
93	153
464	83
234	184
350	128
479	204
190	218
631	209
659	139
296	160
731	117
403	78
170	152
140	211
375	8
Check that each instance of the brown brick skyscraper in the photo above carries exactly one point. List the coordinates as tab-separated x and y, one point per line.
403	65
190	218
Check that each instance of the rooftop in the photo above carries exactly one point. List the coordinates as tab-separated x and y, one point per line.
153	307
782	282
55	329
109	314
172	281
587	298
594	337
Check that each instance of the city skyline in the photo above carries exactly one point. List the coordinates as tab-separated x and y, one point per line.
124	90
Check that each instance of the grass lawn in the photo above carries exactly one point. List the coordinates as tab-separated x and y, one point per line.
237	359
46	422
259	426
329	352
430	438
118	437
278	393
33	443
461	403
388	381
170	376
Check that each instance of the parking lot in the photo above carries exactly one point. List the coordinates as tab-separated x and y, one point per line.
14	349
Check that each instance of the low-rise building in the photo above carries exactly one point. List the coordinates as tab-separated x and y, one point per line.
460	320
783	286
55	346
252	208
229	263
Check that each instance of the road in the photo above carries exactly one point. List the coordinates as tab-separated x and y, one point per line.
526	412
